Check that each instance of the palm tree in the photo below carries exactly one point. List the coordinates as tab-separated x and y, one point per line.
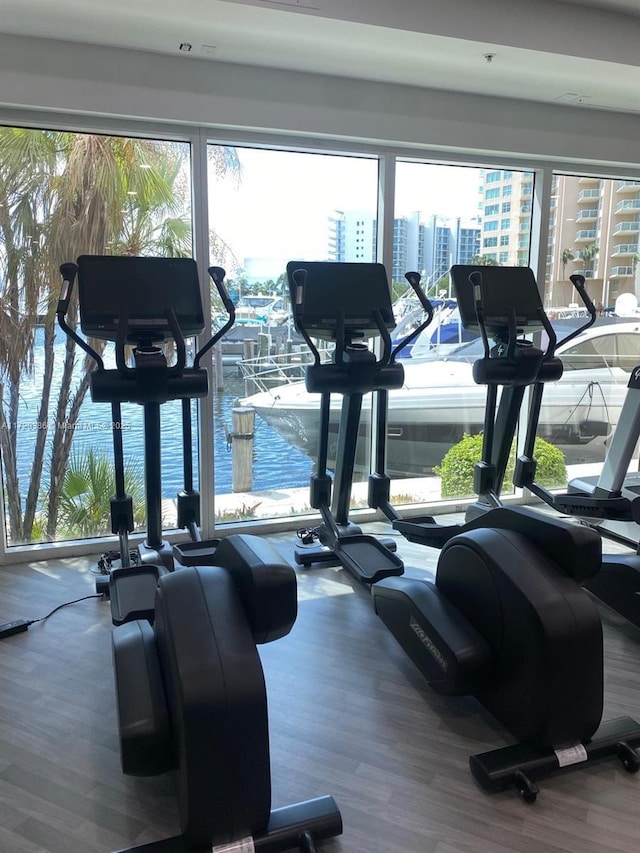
62	195
566	256
483	261
85	508
588	255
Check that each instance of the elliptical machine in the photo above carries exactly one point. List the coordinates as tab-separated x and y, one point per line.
506	619
612	496
190	689
348	303
192	701
143	302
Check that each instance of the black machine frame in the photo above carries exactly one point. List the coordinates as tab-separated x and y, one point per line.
116	301
544	686
190	689
348	303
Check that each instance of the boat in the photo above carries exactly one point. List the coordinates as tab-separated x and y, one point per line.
261	309
440	402
442	335
263	327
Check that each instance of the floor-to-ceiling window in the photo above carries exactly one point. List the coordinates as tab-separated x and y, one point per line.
445	216
267	208
594	228
63	195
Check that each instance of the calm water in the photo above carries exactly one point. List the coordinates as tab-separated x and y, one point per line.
276	463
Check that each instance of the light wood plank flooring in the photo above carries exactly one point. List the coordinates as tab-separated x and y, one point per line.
349	716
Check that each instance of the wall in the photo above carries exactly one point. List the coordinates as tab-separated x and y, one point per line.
63	77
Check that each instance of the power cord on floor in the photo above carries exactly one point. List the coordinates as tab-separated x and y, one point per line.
20	625
307	535
106	561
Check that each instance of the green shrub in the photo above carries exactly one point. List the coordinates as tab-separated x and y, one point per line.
89	482
456	470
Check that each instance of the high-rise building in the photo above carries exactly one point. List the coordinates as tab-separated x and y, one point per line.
594	230
506	198
429	247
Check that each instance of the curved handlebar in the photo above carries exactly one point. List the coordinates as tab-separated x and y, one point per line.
217	275
69	272
578	281
414	280
475	280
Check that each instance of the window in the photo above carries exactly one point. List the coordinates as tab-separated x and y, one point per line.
504	239
491	226
596	354
506	207
142	190
628	352
492	209
505	224
256	231
417	444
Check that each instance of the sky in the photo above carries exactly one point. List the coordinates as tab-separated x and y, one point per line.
281	206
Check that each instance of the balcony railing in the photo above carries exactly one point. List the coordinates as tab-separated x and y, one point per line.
627	227
629	205
621	272
627	186
582	236
587	195
587	215
625	249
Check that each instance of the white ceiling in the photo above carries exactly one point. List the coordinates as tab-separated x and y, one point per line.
574	51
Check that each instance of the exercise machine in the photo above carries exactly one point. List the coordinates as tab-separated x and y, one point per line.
145	303
190	689
510	364
613	496
191	700
506	619
349	304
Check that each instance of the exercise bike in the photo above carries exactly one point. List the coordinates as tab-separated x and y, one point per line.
506	619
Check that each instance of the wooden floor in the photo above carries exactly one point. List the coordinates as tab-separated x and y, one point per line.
349	716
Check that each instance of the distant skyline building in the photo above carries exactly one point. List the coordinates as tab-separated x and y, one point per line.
427	246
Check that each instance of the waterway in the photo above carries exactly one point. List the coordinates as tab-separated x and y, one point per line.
277	465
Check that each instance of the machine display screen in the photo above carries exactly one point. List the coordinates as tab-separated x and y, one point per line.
500	289
322	290
145	287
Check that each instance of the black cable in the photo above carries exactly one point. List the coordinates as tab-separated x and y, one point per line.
17	626
307	535
60	606
106	561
